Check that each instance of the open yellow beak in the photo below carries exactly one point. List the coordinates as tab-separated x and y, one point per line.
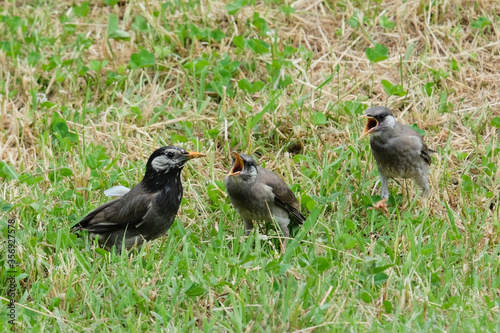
371	124
238	165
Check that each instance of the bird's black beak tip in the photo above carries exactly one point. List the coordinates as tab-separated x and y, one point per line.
193	154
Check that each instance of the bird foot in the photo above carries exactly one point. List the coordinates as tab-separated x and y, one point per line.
381	205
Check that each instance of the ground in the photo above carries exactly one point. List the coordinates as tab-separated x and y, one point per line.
90	89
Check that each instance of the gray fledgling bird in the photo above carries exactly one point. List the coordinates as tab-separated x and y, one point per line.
147	210
259	194
399	151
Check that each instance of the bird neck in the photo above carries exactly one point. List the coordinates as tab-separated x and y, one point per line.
155	181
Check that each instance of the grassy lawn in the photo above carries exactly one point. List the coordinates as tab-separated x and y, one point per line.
88	90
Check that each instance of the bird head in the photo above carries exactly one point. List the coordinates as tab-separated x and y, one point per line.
378	118
244	167
169	158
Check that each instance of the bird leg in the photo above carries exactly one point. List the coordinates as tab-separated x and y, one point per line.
381	205
384	182
424	184
283	222
248	226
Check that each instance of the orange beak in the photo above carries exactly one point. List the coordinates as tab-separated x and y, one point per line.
238	165
371	124
193	154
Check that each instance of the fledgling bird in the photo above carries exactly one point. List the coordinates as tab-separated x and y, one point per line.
399	151
147	210
259	194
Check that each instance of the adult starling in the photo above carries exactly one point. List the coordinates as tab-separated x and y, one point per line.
260	194
147	210
399	151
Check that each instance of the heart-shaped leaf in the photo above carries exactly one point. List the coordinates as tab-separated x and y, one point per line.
113	31
319	118
495	122
378	53
250	88
386	23
393	89
480	23
142	59
258	46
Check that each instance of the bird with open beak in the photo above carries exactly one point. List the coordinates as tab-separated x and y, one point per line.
147	210
259	194
399	151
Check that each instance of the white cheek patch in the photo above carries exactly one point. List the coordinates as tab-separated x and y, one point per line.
391	122
160	163
253	173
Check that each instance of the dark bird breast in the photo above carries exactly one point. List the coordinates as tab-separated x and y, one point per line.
161	215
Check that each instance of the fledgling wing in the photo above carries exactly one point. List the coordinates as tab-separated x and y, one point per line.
283	196
121	213
426	153
413	141
417	144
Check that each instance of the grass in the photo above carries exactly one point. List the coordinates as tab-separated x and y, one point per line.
89	90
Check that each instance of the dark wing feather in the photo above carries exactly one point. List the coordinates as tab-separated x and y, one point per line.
91	217
283	196
426	154
299	218
412	139
120	213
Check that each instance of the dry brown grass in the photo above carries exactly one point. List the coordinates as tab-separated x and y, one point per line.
423	42
473	89
318	26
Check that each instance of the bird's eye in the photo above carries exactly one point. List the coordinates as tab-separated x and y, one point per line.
170	154
382	116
